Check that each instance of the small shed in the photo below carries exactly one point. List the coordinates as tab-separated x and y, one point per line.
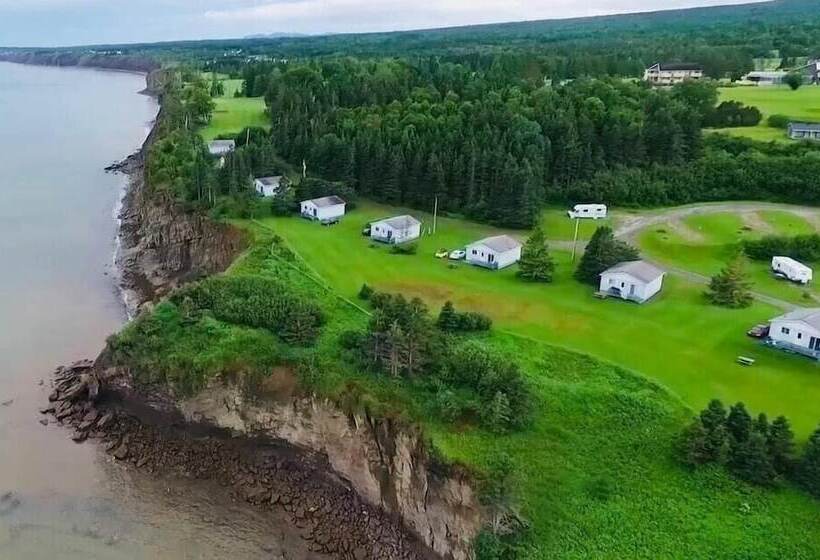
494	253
797	331
635	281
804	131
326	209
267	186
399	229
221	148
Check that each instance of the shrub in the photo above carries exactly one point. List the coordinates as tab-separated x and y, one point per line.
257	302
800	247
733	113
365	292
778	121
452	321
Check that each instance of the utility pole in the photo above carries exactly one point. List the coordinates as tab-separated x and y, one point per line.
575	238
435	213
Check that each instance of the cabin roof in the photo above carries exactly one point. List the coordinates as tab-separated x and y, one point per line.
270	181
810	316
672	66
813	127
499	243
400	222
641	270
326	201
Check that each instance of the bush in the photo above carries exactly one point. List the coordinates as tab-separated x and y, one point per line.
733	113
404	249
800	247
257	302
779	121
450	320
366	292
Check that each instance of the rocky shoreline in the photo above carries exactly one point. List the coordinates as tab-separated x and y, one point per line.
389	506
330	516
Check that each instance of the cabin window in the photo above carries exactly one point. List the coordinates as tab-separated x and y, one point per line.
475	252
784	330
623	284
799	336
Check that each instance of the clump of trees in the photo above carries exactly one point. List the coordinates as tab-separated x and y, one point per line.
733	113
801	247
603	251
450	320
468	381
258	302
731	287
754	449
536	264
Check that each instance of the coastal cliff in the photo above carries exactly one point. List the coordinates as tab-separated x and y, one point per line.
125	63
358	487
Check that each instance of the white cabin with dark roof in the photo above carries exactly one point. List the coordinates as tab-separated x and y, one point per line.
327	209
636	281
267	186
396	230
494	253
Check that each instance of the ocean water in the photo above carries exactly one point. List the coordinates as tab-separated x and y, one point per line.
59	128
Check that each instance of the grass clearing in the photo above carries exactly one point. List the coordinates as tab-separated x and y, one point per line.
232	114
800	105
595	474
721	234
685	344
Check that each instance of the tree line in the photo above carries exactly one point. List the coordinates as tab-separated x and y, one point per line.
754	449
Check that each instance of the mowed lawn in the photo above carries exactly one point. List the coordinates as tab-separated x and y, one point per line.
678	339
800	105
232	114
705	243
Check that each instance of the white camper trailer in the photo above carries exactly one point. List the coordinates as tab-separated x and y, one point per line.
791	269
592	211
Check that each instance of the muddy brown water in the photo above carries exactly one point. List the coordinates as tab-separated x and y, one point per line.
58	129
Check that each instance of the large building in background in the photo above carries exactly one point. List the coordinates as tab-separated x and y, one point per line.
671	73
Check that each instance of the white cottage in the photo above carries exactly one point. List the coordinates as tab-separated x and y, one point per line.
495	253
797	331
634	280
221	148
399	229
326	209
267	186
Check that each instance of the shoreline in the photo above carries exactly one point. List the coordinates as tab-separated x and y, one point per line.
159	246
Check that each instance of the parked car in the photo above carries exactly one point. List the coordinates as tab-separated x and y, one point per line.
458	255
441	253
759	331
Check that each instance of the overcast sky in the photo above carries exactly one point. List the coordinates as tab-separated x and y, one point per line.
77	22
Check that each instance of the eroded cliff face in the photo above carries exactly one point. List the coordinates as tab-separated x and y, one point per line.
386	463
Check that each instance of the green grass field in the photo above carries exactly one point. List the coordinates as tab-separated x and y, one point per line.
800	105
595	473
705	243
232	114
678	339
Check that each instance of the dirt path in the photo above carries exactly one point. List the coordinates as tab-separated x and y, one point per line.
630	226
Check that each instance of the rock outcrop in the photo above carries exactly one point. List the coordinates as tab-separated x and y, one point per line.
386	462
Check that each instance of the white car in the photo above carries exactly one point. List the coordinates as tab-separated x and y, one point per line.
458	255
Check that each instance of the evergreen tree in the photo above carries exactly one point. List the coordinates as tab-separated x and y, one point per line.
739	423
448	319
730	287
781	445
751	461
694	446
536	264
761	425
603	252
499	413
713	418
808	472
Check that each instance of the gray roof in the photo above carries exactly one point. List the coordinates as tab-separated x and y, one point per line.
809	316
672	66
270	181
326	201
640	270
219	146
814	127
499	243
400	222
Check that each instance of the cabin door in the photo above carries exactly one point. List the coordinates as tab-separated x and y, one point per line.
632	290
